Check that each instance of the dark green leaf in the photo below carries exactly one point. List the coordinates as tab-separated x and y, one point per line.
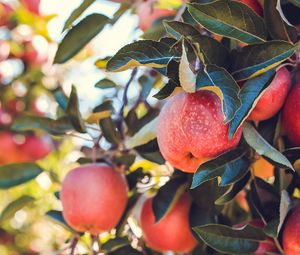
115	244
218	80
295	2
125	250
55	127
77	12
105	84
15	174
275	24
58	218
142	53
61	99
78	36
74	113
249	95
110	131
179	29
16	205
231	19
262	147
256	59
166	197
233	241
230	166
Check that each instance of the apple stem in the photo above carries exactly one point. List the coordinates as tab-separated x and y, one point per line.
73	245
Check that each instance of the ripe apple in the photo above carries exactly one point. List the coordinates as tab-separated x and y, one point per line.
291	233
273	98
191	130
254	5
291	116
148	13
5	13
32	6
172	232
94	198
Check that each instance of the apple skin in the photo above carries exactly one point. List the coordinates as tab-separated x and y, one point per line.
148	13
94	197
273	98
5	13
254	5
191	130
36	147
172	232
291	116
32	5
291	233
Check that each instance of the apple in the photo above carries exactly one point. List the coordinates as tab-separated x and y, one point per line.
291	116
148	13
5	12
191	130
172	232
32	6
272	100
254	5
94	197
291	233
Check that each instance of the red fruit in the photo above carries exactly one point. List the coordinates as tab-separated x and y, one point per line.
273	98
254	5
5	13
148	13
291	116
172	232
36	147
94	198
291	233
191	130
32	6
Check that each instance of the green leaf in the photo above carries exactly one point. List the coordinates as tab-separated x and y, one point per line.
78	36
228	240
77	12
218	80
166	197
15	174
262	147
110	131
276	24
144	135
105	84
209	50
61	99
16	205
156	31
249	95
285	206
230	166
58	218
233	190
125	250
55	127
142	53
114	244
256	59
295	2
74	113
230	19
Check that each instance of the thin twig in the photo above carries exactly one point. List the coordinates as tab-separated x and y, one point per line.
73	245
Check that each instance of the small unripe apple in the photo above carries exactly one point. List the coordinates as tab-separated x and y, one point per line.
273	98
291	116
172	232
148	13
191	130
32	6
5	13
94	198
291	233
254	5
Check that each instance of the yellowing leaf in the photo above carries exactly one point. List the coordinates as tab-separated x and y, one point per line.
95	117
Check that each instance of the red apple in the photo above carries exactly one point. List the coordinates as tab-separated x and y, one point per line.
254	5
94	198
291	115
5	13
273	98
32	6
148	13
191	130
291	233
172	232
